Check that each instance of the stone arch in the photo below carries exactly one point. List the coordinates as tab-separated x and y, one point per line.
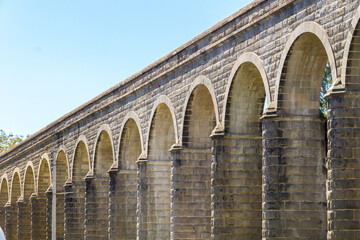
350	69
318	34
40	204
131	148
83	145
239	163
300	134
44	178
164	100
62	177
75	204
97	199
131	129
247	64
62	167
191	165
4	190
29	181
25	225
104	134
203	88
4	198
15	196
162	134
16	186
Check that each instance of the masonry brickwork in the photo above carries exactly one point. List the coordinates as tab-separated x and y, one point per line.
185	148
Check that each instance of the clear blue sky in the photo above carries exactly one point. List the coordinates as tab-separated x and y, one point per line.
57	54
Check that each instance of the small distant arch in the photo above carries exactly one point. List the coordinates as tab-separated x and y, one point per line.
62	153
81	140
103	128
130	116
163	99
43	166
32	181
16	190
4	189
200	80
320	33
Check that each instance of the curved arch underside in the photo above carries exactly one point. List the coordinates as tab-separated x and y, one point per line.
4	197
200	119
29	183
353	62
130	145
245	101
301	78
104	156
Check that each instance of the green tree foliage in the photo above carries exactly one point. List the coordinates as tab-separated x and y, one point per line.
8	141
326	83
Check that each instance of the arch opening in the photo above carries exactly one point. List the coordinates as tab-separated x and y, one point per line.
62	175
104	157
301	78
97	205
4	197
77	204
162	134
158	173
24	216
41	204
44	178
302	137
200	119
352	73
14	210
129	151
246	100
191	174
238	177
29	183
130	145
4	193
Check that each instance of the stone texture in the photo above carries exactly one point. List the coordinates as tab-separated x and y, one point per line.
210	187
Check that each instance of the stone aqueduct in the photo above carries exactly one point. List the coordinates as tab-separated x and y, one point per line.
185	150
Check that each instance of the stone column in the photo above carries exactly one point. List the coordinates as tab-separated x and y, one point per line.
24	219
11	212
38	217
191	194
74	224
113	220
2	218
97	207
141	212
294	177
49	213
236	186
126	196
154	199
343	165
60	212
89	206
